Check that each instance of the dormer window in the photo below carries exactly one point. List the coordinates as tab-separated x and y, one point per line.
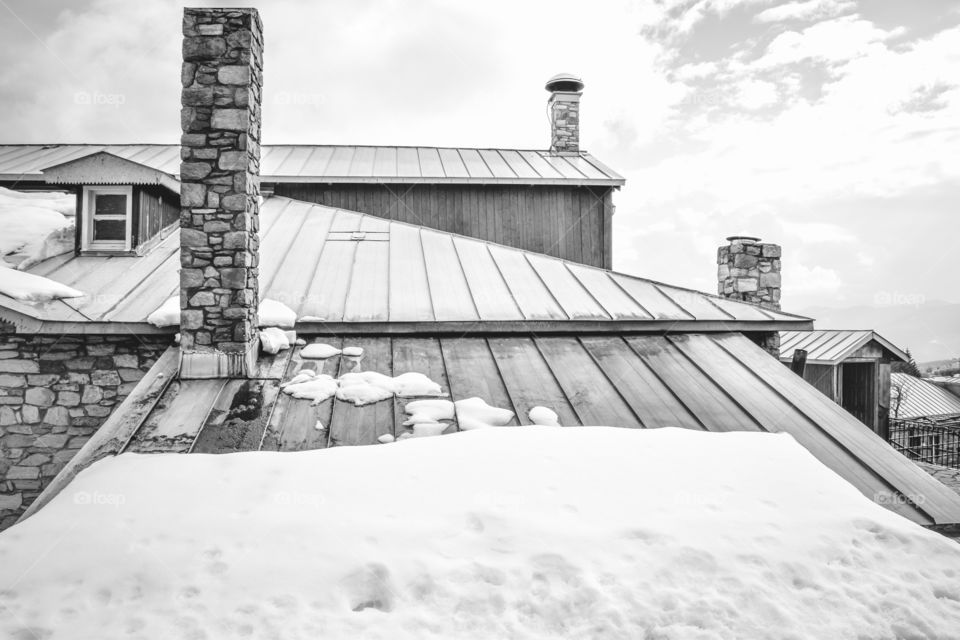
107	225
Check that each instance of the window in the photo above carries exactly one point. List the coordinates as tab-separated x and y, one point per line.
106	218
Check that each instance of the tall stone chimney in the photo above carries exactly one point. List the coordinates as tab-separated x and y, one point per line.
564	104
220	191
749	270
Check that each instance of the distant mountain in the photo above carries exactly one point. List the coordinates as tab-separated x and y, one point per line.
930	330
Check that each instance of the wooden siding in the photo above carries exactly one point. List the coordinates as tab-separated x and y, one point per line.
154	210
823	377
574	223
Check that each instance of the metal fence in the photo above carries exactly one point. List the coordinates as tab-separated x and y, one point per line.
931	440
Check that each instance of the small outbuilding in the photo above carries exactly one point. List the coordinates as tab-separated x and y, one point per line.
851	367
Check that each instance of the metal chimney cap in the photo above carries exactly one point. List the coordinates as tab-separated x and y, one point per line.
564	82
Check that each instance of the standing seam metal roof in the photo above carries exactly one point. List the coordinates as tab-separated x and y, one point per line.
346	164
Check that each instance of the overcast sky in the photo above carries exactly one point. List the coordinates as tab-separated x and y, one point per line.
829	126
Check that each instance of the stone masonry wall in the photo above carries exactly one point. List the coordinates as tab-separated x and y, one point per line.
565	122
222	84
54	393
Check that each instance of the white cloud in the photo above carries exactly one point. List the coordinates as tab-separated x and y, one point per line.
817	232
806	10
835	40
756	94
800	280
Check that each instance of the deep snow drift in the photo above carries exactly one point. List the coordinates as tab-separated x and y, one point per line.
526	532
35	225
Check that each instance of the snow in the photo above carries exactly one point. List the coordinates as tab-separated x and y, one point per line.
530	532
319	351
425	411
274	340
426	429
276	314
302	376
28	287
385	438
353	352
35	225
475	413
270	313
544	416
318	388
365	387
167	314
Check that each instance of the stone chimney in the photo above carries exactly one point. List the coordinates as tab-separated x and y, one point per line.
749	270
220	191
564	103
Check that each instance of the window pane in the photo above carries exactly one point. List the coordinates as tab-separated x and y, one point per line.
109	229
111	204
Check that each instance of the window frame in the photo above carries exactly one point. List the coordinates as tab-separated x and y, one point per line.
87	243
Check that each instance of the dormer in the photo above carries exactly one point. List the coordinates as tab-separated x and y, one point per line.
123	207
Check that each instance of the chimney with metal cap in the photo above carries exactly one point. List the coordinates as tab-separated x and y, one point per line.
749	271
564	104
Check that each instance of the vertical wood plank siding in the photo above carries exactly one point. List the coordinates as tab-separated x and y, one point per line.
574	223
154	209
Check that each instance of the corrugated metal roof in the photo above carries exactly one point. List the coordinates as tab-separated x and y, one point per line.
345	164
349	268
830	346
916	398
713	382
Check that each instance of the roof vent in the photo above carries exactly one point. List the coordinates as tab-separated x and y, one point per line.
564	82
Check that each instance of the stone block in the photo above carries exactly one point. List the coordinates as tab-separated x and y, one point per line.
230	119
233	161
19	366
12	380
8	416
234	74
202	299
744	261
194	170
233	278
191	319
192	194
10	502
18	440
68	398
30	414
18	472
771	279
745	285
193	238
236	202
39	396
59	416
34	460
770	250
51	441
104	377
130	375
126	360
199	49
235	240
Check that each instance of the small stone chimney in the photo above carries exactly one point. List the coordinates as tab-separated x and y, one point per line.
564	103
749	270
220	191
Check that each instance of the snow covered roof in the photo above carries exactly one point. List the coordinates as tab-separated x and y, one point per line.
831	346
918	398
348	164
345	271
718	382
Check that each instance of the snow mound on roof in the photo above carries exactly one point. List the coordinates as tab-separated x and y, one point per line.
27	287
35	225
167	314
532	532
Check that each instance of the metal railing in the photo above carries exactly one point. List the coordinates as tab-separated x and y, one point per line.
931	440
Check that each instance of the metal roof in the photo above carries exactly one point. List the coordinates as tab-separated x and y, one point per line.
712	382
345	164
831	346
351	269
920	398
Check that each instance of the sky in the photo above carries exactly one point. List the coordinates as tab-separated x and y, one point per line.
831	127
